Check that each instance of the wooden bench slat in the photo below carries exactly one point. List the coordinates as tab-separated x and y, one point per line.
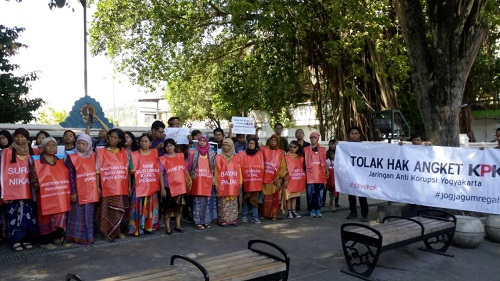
252	272
237	266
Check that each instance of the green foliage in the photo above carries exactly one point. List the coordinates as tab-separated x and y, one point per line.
14	102
50	116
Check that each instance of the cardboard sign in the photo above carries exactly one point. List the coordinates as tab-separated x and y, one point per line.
180	135
243	125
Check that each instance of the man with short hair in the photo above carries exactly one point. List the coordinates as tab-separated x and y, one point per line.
278	129
218	137
299	135
240	144
158	134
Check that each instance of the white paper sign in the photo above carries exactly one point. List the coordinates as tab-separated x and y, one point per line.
445	177
180	135
243	125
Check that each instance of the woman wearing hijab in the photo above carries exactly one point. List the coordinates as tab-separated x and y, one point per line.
274	172
252	167
16	192
50	180
228	181
147	182
5	139
84	195
201	167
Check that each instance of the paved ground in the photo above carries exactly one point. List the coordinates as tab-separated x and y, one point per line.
313	244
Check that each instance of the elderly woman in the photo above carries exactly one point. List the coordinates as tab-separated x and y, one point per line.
201	168
228	180
84	195
16	192
50	180
5	139
274	172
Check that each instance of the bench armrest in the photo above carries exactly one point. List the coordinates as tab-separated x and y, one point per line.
195	263
444	213
409	219
285	257
353	224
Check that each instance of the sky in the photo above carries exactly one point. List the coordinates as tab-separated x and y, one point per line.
55	40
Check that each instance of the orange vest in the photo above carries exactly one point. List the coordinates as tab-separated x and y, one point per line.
15	178
86	178
296	174
252	170
272	162
228	177
315	165
147	173
114	172
202	183
54	186
36	149
175	167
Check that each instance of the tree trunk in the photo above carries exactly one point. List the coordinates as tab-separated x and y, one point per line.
440	66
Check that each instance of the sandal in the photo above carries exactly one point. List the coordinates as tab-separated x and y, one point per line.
168	232
206	225
199	226
17	247
27	245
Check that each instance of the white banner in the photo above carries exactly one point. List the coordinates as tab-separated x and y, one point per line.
180	135
445	177
243	125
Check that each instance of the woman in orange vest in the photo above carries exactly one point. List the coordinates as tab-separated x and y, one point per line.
275	171
228	180
16	192
295	180
201	167
113	167
84	195
50	180
317	173
252	169
177	183
147	182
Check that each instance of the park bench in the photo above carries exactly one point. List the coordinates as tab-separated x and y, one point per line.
362	244
250	264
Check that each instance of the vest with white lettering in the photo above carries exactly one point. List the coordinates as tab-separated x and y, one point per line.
15	177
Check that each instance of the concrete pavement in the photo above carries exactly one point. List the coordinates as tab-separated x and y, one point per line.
313	245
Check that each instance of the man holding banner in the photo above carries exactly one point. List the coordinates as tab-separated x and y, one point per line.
355	136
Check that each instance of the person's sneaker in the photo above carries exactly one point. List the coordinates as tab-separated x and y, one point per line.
49	246
364	219
295	215
352	216
313	214
244	219
257	221
319	214
290	215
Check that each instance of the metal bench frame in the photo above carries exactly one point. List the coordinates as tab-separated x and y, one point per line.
361	261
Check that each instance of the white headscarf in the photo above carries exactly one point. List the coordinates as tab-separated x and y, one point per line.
86	138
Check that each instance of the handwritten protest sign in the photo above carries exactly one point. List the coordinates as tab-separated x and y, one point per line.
180	135
243	125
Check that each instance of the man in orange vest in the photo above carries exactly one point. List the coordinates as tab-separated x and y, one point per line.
317	173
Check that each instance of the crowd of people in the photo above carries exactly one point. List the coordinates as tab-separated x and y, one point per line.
121	185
